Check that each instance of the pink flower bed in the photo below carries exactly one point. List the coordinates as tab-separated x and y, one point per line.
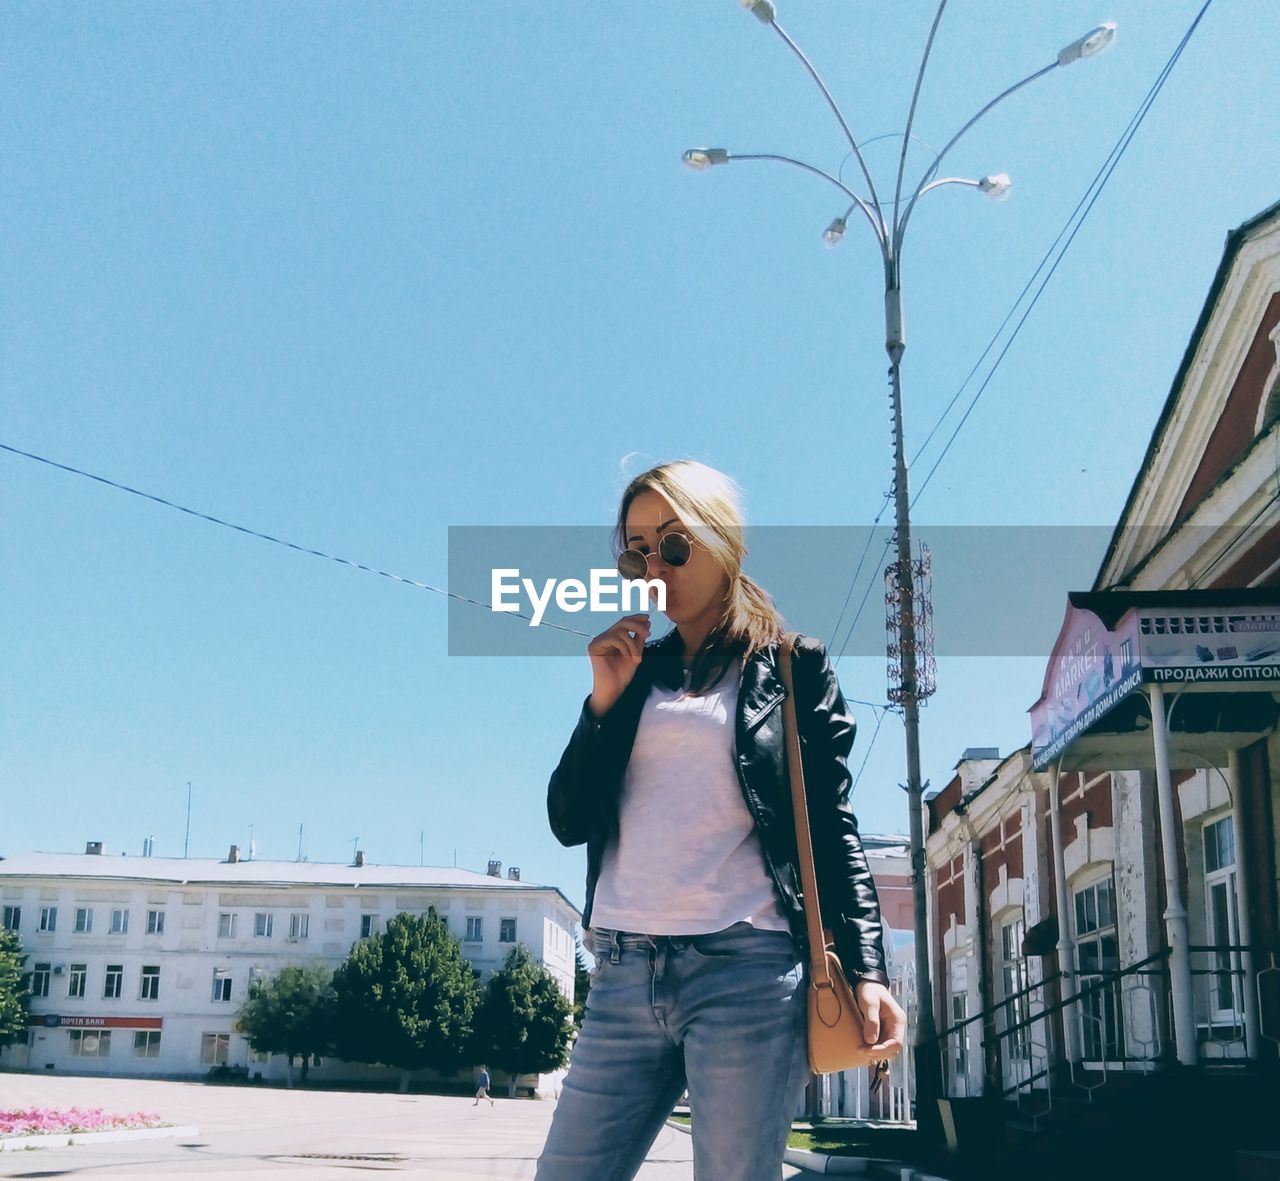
45	1121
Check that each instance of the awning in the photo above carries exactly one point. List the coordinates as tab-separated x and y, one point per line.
1215	652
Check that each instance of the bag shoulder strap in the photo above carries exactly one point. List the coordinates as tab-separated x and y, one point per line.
819	973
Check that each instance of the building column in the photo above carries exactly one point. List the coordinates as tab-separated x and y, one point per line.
1066	945
1175	914
1249	980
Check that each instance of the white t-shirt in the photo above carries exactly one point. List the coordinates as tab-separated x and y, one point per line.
687	860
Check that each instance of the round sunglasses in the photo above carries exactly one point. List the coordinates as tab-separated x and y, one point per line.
673	548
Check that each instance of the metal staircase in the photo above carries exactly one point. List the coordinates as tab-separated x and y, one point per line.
1080	1077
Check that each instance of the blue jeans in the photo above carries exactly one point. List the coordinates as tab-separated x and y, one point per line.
723	1014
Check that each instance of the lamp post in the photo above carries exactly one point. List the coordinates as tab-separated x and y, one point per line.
888	223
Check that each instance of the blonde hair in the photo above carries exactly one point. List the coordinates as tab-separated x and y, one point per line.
709	505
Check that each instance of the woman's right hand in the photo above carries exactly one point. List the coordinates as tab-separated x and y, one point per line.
615	655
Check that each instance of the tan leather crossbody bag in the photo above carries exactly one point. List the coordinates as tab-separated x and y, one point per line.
836	1040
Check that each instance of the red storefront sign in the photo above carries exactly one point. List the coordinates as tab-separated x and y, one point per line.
65	1021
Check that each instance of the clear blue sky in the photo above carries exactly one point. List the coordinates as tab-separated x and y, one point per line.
351	274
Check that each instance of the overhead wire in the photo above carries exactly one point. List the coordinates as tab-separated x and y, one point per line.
301	549
1088	201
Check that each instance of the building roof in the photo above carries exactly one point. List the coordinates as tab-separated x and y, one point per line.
1235	240
871	840
210	871
1112	605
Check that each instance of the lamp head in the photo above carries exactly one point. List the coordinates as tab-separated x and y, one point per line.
1091	44
762	10
996	187
833	234
700	159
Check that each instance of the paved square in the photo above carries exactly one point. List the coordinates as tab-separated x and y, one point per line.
257	1133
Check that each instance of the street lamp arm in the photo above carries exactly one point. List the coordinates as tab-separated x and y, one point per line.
835	110
911	114
876	226
950	180
933	168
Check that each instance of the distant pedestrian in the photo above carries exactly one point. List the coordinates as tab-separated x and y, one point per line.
482	1091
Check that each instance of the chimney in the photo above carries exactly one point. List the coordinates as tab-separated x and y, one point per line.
93	847
975	765
513	874
359	861
495	869
234	855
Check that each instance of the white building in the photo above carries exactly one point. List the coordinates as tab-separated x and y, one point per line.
140	964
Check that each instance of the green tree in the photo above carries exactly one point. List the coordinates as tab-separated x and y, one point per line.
15	991
524	1024
581	985
292	1013
406	998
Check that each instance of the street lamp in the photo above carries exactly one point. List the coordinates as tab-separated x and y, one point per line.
888	225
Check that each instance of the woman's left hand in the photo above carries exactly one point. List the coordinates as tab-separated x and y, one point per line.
884	1024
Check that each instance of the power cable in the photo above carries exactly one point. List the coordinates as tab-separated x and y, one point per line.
301	549
870	746
1091	196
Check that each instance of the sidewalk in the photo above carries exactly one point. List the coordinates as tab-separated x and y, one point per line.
266	1134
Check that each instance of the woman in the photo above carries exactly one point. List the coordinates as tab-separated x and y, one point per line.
675	779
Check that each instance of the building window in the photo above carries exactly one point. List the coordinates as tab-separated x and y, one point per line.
262	923
48	918
119	922
221	984
150	987
958	1042
506	930
40	979
89	1043
12	918
368	925
227	925
84	920
1223	921
1013	980
475	928
299	926
75	981
259	1057
1098	953
155	922
146	1043
113	982
215	1048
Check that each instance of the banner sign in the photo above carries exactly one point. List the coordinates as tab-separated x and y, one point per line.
1092	669
1228	646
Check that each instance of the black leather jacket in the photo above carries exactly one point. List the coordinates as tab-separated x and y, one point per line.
582	797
